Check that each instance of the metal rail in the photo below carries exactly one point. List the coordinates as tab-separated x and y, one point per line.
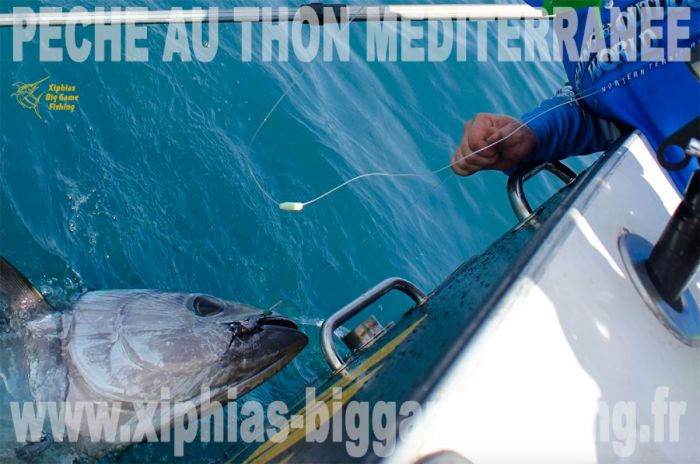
516	192
354	307
313	12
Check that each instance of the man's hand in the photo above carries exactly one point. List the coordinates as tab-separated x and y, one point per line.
507	143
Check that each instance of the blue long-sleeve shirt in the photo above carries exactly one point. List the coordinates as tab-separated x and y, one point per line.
563	128
657	98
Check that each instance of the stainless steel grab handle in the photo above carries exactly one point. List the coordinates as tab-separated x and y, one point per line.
355	307
516	193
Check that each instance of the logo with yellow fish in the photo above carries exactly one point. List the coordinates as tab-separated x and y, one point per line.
59	96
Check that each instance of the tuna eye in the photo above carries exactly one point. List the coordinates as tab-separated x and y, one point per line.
205	306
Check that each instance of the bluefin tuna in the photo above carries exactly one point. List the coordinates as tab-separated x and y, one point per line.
129	347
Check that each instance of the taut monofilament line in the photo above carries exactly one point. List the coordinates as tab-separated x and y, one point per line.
297	206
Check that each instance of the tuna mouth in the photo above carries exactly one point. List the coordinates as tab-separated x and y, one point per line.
277	321
244	329
252	325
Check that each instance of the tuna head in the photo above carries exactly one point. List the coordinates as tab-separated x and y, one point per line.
130	345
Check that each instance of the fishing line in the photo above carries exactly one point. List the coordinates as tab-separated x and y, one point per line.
403	208
262	124
298	206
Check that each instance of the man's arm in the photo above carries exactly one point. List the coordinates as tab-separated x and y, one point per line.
558	128
563	128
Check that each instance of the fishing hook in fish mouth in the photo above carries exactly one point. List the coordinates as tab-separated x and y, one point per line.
245	327
239	328
255	324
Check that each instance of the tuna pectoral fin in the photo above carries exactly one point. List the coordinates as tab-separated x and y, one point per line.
17	294
31	451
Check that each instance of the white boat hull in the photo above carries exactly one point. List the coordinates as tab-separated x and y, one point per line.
573	366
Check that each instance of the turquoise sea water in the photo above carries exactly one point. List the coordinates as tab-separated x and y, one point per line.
146	184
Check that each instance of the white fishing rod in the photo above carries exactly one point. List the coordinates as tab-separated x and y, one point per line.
313	12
